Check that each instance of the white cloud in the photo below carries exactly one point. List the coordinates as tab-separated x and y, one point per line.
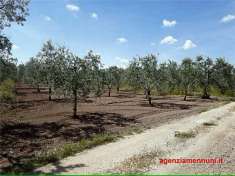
121	62
72	7
15	47
122	40
188	44
168	23
228	18
168	40
94	15
47	18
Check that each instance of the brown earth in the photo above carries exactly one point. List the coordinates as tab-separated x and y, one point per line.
34	124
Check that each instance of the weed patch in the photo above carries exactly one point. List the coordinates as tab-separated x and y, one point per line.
189	134
140	163
69	149
209	124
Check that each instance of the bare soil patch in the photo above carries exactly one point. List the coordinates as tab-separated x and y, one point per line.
34	124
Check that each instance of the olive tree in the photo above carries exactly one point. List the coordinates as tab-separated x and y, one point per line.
148	66
59	70
187	76
47	57
109	80
134	74
34	72
223	76
117	76
173	76
10	11
163	78
21	73
168	78
8	70
97	74
142	73
80	76
204	68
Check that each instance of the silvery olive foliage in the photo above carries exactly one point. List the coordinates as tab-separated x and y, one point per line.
11	11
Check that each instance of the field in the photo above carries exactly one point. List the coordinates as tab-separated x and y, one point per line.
87	89
35	125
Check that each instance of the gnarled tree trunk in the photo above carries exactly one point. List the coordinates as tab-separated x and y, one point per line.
117	89
149	97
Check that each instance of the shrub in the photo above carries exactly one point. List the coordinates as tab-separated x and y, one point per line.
7	91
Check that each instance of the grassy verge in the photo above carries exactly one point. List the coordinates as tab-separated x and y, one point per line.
66	150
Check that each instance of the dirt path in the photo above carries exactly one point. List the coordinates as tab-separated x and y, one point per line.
219	140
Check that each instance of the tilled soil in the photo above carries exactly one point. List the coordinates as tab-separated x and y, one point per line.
35	126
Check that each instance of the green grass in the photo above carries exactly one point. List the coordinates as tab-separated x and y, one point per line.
189	134
204	110
68	149
132	130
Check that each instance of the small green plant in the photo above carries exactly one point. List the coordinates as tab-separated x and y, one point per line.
132	130
209	124
7	91
189	134
68	149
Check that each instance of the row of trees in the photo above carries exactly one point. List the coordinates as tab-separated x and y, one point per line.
59	69
190	76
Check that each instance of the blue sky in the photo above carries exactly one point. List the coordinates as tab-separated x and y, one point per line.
120	29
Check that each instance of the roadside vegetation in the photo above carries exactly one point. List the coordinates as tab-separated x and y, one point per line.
68	149
140	162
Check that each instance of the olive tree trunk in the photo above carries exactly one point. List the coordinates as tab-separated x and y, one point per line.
49	93
75	96
38	88
149	97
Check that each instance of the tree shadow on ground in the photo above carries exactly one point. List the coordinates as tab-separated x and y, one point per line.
123	95
168	105
21	141
101	119
119	102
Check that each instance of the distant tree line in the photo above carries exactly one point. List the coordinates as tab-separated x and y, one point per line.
59	69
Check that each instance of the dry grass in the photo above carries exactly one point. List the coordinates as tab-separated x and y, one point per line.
69	149
189	134
140	163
